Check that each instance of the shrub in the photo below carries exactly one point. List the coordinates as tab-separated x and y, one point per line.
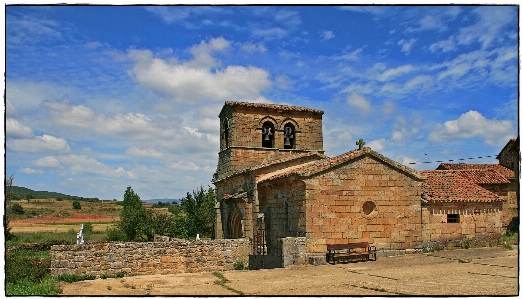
76	205
87	228
17	209
239	266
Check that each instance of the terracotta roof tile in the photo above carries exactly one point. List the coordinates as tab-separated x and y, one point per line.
314	167
448	186
504	171
482	176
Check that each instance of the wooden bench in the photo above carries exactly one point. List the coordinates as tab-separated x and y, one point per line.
361	250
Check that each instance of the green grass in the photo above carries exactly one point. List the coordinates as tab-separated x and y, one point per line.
44	237
222	281
27	273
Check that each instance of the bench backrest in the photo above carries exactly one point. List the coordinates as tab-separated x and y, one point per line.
347	246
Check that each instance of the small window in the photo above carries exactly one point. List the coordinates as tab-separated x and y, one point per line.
268	135
368	207
453	218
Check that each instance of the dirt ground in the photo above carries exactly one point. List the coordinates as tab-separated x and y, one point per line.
465	272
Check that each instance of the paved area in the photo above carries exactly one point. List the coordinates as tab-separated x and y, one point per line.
464	272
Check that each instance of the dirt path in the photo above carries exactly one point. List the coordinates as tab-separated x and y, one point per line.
481	271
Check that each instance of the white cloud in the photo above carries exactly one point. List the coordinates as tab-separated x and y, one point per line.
359	102
489	26
28	170
14	129
406	45
376	145
327	35
185	166
473	124
394	72
284	82
253	47
39	144
48	162
144	153
196	81
349	56
270	34
444	45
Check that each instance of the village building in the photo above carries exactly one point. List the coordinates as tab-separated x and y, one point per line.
501	179
274	183
455	208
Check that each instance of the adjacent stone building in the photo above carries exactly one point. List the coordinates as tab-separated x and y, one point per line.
455	208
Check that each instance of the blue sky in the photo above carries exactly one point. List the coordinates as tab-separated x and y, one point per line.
100	98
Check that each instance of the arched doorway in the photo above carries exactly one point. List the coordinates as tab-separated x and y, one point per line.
236	228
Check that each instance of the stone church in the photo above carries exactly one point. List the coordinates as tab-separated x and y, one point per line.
273	177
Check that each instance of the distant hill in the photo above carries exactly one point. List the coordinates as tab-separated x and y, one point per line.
23	193
163	200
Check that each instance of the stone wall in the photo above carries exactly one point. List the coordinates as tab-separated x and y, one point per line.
146	258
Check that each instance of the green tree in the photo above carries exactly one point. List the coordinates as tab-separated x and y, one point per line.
76	205
8	183
132	216
198	214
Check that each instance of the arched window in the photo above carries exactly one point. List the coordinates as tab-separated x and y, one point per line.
289	136
226	133
268	135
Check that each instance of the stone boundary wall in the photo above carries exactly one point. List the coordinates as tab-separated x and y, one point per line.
146	258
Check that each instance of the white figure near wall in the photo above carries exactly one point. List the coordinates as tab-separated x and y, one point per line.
79	236
197	237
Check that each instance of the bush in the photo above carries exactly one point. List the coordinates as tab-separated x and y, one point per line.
17	209
87	229
76	205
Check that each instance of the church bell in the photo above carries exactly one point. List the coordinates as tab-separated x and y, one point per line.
287	141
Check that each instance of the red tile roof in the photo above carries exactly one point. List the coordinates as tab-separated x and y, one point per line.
448	186
504	171
314	167
482	176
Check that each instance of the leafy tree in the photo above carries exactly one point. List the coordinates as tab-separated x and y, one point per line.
76	205
132	216
8	183
17	209
198	215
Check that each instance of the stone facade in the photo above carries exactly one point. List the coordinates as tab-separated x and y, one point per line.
146	258
294	191
361	197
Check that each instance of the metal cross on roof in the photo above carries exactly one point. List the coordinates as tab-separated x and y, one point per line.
360	143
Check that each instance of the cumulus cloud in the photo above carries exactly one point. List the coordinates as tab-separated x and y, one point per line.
39	144
377	145
473	124
359	102
48	162
28	170
197	80
327	35
14	129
